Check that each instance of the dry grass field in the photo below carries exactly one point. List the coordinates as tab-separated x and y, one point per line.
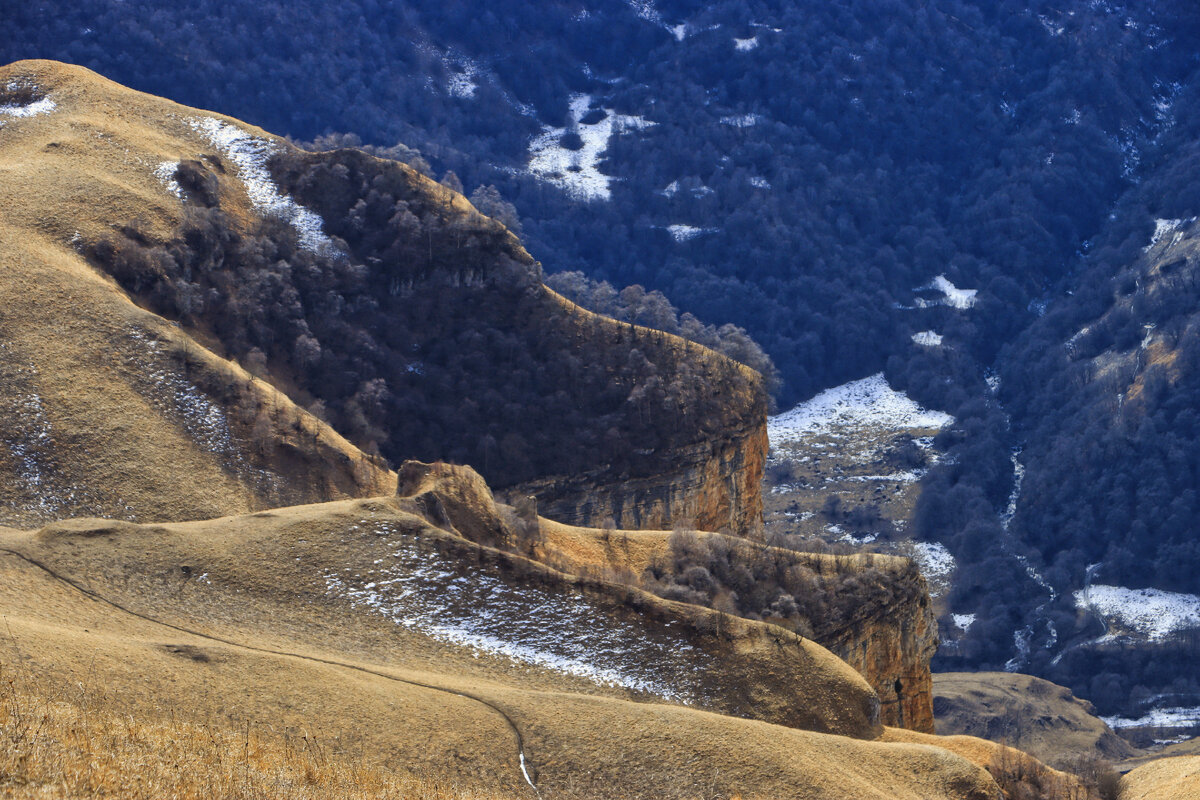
254	639
113	411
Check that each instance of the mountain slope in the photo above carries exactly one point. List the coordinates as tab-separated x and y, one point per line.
421	328
112	411
276	610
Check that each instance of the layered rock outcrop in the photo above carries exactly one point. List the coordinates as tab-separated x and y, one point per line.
891	644
711	485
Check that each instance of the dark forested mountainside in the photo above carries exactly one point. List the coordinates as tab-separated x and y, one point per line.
1100	400
796	169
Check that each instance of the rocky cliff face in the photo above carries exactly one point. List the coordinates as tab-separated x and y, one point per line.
891	644
714	485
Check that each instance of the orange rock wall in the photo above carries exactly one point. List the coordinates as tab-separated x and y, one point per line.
715	485
893	654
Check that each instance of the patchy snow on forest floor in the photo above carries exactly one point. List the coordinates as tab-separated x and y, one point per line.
685	233
1149	614
1158	718
576	170
557	629
936	564
952	296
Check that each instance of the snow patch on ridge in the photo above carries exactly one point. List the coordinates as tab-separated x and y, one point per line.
250	154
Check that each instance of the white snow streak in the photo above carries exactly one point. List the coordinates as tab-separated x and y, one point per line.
250	155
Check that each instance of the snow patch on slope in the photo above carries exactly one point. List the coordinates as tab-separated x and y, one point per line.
1151	614
33	109
685	233
935	561
42	492
165	172
952	296
559	630
1158	718
1163	227
205	423
865	403
577	172
741	120
250	154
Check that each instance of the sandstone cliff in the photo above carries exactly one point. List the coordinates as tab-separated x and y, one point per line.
891	644
713	485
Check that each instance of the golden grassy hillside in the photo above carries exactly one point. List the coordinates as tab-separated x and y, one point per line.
1029	713
1165	779
112	411
358	624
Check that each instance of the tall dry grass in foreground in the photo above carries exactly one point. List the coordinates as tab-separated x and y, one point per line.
54	745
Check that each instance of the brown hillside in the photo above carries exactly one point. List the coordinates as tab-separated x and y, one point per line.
301	623
109	410
1029	713
871	611
1018	774
1165	779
